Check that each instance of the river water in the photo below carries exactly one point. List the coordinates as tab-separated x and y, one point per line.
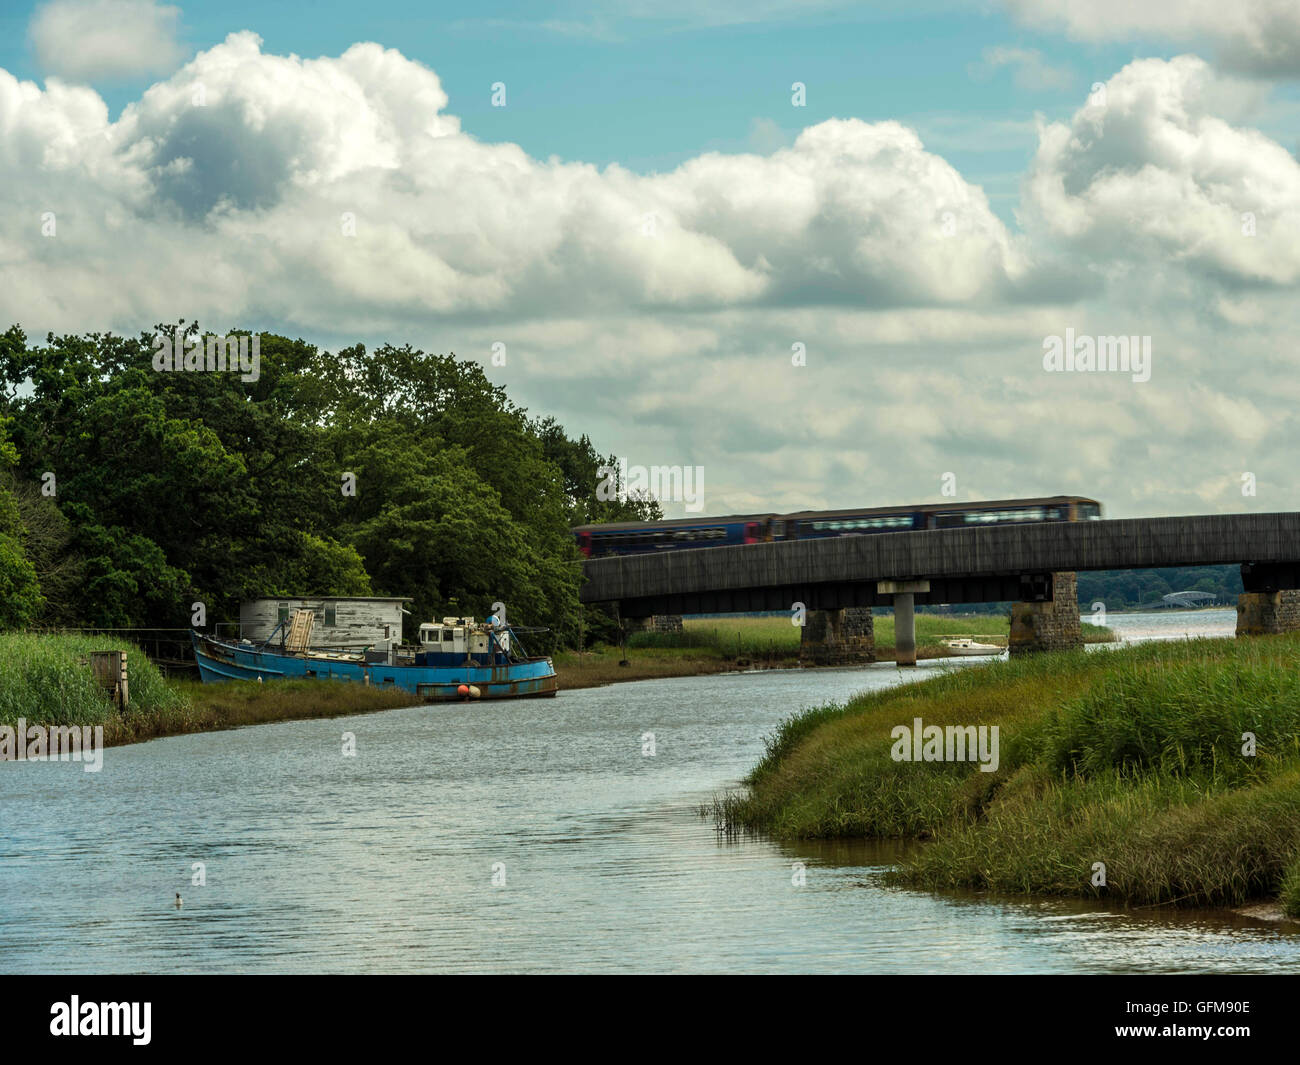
540	836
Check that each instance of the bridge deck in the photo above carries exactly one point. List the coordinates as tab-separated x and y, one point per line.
961	563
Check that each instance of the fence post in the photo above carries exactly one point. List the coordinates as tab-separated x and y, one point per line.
109	669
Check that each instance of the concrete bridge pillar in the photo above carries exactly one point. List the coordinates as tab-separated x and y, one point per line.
904	593
1050	625
905	629
837	637
1267	613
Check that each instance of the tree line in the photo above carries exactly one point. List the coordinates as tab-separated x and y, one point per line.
129	493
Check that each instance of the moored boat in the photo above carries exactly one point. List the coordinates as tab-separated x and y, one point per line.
964	645
455	660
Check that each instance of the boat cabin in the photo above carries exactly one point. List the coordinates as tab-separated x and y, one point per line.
453	640
462	636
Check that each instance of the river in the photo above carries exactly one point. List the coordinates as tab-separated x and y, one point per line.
540	836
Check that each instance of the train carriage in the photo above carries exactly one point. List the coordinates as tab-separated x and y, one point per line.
630	538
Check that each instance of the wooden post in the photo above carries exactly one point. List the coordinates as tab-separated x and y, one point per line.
109	669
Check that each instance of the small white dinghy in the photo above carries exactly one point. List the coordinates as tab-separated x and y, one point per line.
964	645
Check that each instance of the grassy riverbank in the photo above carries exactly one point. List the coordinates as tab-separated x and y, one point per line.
719	645
46	680
775	638
600	666
1132	758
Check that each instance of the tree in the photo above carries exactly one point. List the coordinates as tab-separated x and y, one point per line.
171	487
20	591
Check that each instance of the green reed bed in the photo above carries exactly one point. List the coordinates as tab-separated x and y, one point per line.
46	680
1132	758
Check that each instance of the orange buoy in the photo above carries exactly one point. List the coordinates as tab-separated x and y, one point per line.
463	690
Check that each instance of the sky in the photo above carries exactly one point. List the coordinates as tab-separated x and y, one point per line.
821	252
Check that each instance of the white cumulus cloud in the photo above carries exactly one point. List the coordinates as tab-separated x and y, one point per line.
1250	36
91	40
339	199
1151	172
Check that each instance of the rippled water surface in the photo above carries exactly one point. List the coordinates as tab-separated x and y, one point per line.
385	862
1172	624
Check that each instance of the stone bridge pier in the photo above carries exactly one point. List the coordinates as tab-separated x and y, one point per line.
1268	613
1271	602
656	623
837	637
1047	624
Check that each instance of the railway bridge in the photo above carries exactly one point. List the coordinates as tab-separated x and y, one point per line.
1033	565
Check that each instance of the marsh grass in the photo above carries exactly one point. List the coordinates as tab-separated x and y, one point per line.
1131	757
594	668
46	680
1290	894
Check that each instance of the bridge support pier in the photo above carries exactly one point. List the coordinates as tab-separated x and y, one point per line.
1267	613
837	637
1049	625
904	593
657	623
904	630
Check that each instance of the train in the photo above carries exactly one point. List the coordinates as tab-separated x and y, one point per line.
635	538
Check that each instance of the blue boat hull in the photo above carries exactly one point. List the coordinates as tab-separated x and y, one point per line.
531	677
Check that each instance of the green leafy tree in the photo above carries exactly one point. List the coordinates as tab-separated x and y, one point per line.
20	591
176	486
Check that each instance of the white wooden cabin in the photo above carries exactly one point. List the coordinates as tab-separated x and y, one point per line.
341	621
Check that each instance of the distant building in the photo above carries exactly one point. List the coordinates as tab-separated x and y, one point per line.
341	621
